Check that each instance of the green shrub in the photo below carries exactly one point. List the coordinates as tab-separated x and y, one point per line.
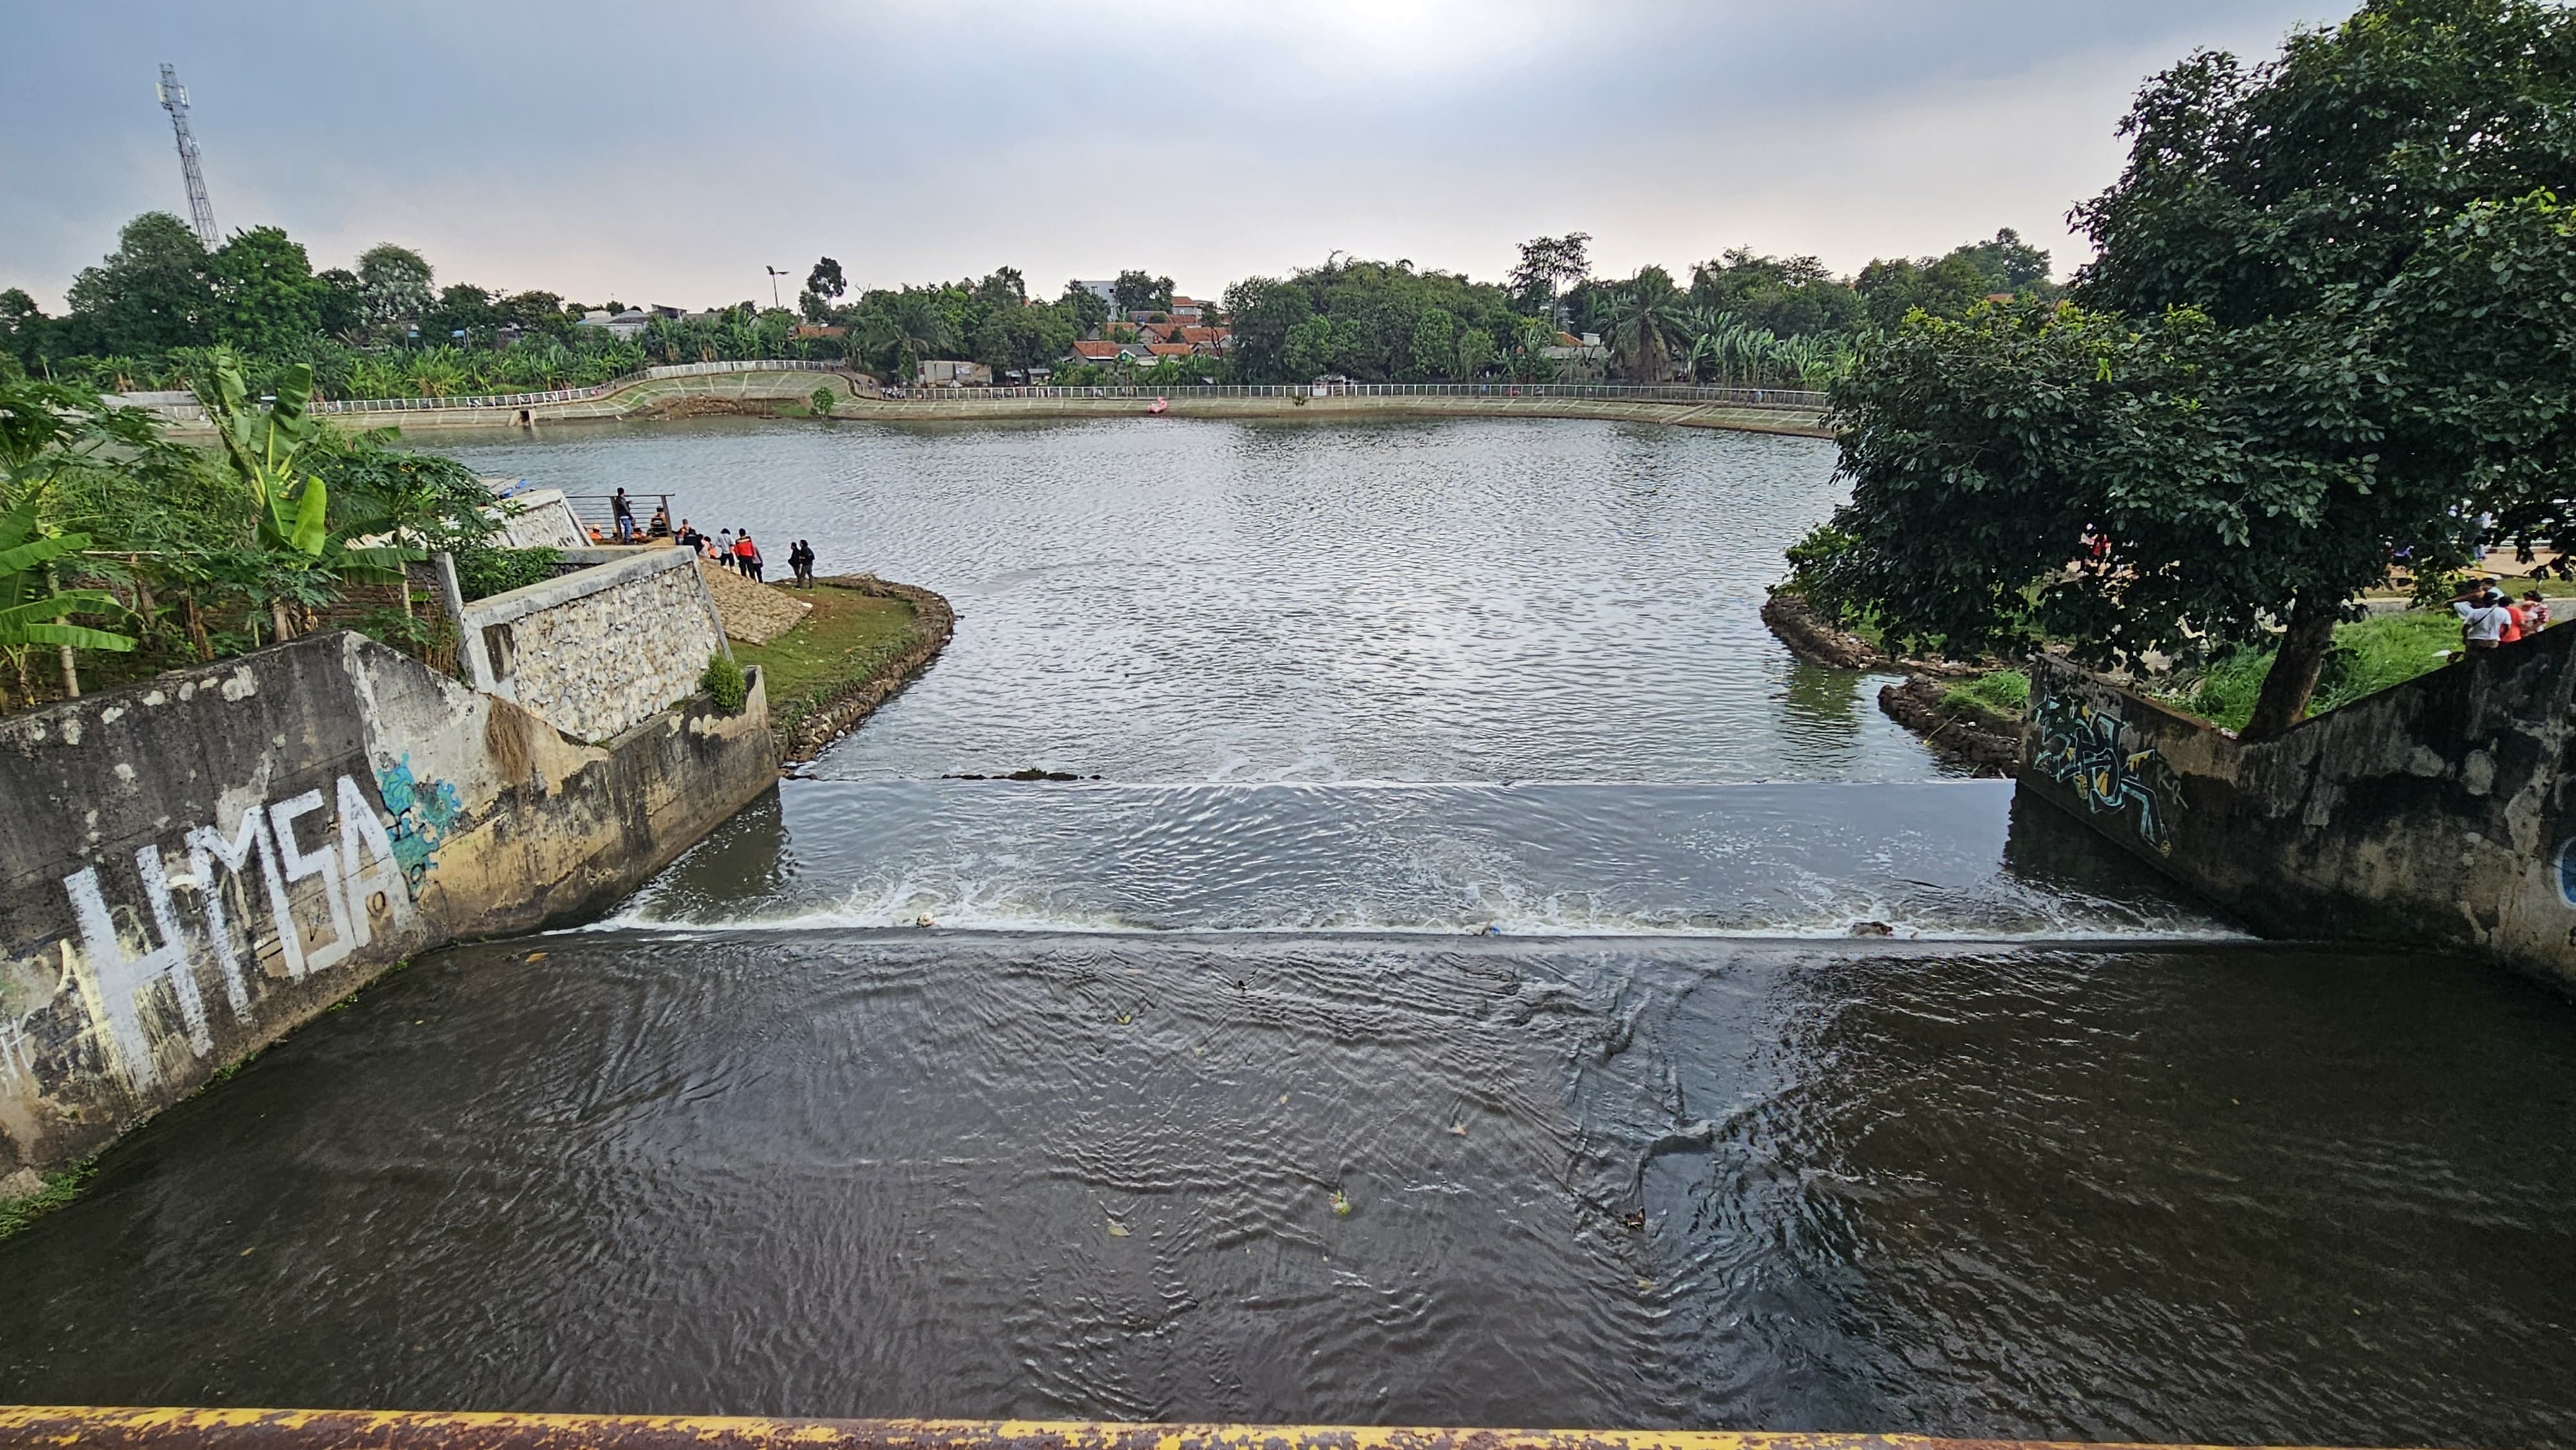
824	400
724	683
482	572
1998	692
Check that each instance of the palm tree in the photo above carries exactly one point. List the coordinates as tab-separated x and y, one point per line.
910	324
1643	328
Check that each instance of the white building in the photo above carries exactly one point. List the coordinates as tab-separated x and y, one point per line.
629	323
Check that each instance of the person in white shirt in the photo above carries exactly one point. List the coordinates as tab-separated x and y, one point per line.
2483	616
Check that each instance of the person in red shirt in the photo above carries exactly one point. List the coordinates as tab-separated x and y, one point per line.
2495	598
746	557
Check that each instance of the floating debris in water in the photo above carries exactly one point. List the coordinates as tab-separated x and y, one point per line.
1873	928
1117	1230
925	920
1341	1204
534	957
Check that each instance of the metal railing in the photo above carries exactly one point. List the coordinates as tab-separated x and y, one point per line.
1797	398
597	513
581	394
1801	399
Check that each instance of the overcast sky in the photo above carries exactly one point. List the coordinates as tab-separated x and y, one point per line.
667	152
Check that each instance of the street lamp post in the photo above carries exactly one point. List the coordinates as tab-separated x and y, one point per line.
774	275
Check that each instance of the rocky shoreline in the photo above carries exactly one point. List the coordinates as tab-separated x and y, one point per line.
1957	732
1960	732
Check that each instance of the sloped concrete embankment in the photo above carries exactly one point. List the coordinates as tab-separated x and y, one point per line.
2436	813
191	868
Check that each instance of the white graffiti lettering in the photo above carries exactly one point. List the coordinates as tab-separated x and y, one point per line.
207	845
322	861
115	979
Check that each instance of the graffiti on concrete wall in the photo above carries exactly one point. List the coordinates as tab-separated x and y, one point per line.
2086	747
424	813
327	871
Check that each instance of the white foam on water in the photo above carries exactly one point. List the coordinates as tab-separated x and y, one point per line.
1817	862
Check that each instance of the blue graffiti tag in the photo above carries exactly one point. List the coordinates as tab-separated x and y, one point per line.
425	814
2080	747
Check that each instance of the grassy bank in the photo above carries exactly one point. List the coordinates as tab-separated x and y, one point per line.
843	644
2370	655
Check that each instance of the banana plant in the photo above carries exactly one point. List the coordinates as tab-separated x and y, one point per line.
31	610
291	503
293	508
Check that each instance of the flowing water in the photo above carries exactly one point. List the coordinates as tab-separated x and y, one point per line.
1444	1007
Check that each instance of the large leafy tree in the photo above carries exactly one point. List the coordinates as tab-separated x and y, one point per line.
2332	318
393	283
1086	308
1784	296
23	331
1023	337
155	291
823	287
268	301
1547	266
1138	292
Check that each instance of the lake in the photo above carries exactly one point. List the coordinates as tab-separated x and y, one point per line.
1438	1002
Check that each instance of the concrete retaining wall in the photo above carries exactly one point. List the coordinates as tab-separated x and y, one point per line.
2436	813
191	867
594	652
758	393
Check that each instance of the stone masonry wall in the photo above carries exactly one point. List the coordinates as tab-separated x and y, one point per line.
596	652
2437	813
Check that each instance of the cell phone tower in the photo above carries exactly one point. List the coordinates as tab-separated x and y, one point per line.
174	99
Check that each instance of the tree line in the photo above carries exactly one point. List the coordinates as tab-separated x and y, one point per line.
148	316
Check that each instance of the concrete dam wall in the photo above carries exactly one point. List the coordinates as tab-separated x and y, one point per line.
2436	813
192	867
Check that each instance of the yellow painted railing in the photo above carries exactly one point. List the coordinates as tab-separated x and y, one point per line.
105	1429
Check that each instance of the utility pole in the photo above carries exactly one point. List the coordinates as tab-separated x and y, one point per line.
774	275
174	99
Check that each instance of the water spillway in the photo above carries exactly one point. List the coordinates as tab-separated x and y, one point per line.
1446	1008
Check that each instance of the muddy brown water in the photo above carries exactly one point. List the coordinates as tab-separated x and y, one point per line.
1444	1009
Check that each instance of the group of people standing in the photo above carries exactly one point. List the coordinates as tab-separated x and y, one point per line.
2489	617
729	548
737	552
